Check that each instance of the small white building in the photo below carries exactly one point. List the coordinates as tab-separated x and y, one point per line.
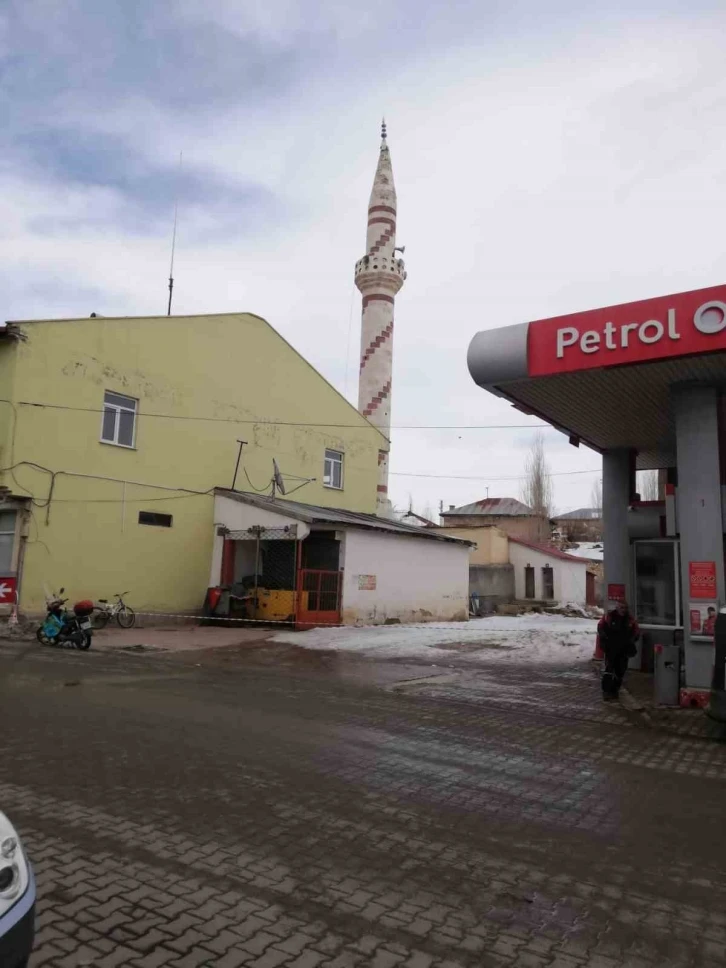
285	561
543	573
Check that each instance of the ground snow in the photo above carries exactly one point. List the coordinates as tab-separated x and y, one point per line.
538	638
593	550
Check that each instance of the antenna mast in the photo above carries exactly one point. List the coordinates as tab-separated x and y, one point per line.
173	242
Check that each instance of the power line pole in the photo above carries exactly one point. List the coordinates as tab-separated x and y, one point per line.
236	466
173	243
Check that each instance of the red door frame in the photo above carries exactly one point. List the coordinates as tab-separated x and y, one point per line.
323	588
229	549
590	588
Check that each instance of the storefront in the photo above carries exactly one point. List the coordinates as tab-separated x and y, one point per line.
276	560
644	385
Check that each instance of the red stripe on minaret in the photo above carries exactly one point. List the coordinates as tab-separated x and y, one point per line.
383	220
376	297
377	400
382	489
381	240
382	208
374	344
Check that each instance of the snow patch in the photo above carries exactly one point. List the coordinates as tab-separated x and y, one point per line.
498	638
587	549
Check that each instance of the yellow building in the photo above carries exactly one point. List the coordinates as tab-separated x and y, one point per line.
491	544
115	431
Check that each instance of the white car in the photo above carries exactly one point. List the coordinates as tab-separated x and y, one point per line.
17	899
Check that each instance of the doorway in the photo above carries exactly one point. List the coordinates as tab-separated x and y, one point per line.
529	582
548	583
320	581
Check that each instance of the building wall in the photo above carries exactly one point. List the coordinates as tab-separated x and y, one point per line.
491	584
525	527
492	544
7	393
233	370
417	580
569	577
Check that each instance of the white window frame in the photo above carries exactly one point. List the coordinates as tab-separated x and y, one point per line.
680	605
117	410
333	457
11	570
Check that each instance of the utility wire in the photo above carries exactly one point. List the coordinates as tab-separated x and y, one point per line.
461	477
190	493
289	423
347	349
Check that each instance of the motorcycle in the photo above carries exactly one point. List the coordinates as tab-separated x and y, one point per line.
62	627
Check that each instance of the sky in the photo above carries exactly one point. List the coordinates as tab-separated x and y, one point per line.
549	155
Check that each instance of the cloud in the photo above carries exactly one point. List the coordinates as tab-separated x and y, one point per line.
546	161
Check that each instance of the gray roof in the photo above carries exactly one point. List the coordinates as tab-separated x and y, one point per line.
417	520
581	514
493	507
314	514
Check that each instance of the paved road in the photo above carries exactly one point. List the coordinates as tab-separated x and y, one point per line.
265	808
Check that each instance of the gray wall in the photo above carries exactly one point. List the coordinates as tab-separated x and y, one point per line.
492	583
616	474
699	508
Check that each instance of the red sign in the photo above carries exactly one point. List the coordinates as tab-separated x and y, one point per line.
696	620
702	579
7	590
652	329
616	593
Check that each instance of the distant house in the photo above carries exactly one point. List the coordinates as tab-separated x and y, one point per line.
582	524
593	551
544	573
491	576
507	513
503	568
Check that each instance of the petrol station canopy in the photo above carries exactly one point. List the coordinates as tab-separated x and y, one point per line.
605	377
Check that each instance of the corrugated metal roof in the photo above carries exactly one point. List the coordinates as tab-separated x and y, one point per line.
493	506
417	520
315	514
549	551
581	514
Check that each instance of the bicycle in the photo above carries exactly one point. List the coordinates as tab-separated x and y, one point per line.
105	611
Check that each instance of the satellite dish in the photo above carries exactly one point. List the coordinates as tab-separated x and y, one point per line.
277	477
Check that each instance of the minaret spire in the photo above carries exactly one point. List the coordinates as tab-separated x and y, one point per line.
379	275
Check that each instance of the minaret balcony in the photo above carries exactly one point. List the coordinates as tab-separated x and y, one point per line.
374	270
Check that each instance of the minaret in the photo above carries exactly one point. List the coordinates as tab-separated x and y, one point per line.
379	275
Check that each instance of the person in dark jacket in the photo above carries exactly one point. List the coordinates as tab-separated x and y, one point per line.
618	632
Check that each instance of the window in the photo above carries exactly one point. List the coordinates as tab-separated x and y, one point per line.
155	519
333	469
656	583
7	541
119	420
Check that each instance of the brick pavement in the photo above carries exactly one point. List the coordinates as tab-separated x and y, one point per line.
198	816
